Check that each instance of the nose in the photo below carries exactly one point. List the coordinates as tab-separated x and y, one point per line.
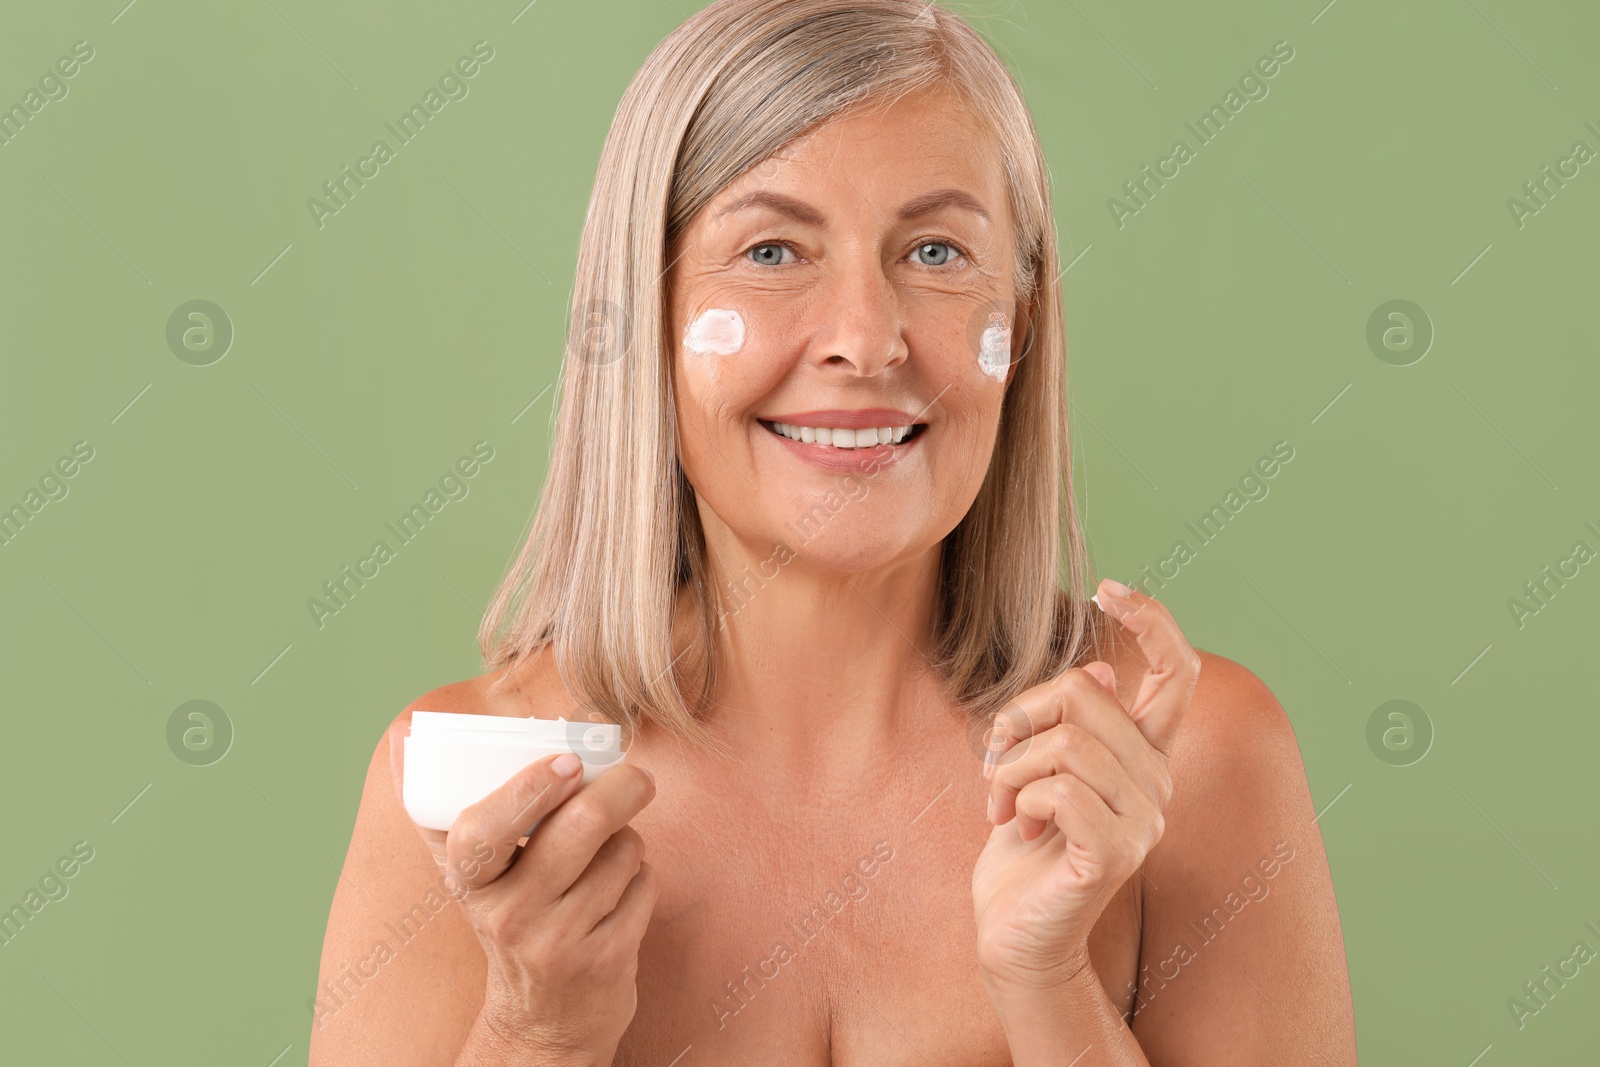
860	320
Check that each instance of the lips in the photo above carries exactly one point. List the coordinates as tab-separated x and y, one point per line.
885	449
854	419
843	437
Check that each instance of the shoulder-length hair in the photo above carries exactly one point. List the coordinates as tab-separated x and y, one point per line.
616	536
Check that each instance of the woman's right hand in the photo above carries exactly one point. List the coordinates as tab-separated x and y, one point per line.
560	918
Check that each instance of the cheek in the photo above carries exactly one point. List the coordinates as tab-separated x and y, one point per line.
716	334
727	360
994	349
710	350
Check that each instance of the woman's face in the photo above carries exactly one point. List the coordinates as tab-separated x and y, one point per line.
861	278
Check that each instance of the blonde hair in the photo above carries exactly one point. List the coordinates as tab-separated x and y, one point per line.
616	534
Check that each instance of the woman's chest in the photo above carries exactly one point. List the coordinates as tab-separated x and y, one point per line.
828	937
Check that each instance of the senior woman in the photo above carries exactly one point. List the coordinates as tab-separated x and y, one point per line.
802	537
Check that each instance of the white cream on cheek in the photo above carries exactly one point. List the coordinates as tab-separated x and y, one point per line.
994	350
717	332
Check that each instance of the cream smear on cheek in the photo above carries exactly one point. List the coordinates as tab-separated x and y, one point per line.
994	350
717	332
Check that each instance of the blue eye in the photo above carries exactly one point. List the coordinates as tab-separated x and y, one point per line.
939	253
770	254
942	253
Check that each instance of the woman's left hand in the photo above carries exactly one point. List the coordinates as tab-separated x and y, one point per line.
1087	782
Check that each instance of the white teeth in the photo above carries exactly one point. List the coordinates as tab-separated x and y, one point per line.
841	437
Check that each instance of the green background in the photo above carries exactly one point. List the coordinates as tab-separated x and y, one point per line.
1229	313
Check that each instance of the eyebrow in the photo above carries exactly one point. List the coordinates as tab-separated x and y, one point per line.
800	211
928	203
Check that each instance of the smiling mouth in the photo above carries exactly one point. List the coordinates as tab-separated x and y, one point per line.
846	439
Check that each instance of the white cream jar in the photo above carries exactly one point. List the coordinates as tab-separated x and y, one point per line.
453	761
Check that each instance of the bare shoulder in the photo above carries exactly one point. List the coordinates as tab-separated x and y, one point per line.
1238	779
1245	908
531	687
393	932
1233	711
1234	721
1236	766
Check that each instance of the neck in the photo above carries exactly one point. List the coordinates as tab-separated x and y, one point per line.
819	668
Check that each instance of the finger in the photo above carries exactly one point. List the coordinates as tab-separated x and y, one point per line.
483	840
627	922
600	887
1076	695
1065	749
1169	684
1090	827
1098	840
1137	755
569	837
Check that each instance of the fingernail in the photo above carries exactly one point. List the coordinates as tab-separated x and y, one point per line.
988	765
990	809
1116	588
566	764
648	775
